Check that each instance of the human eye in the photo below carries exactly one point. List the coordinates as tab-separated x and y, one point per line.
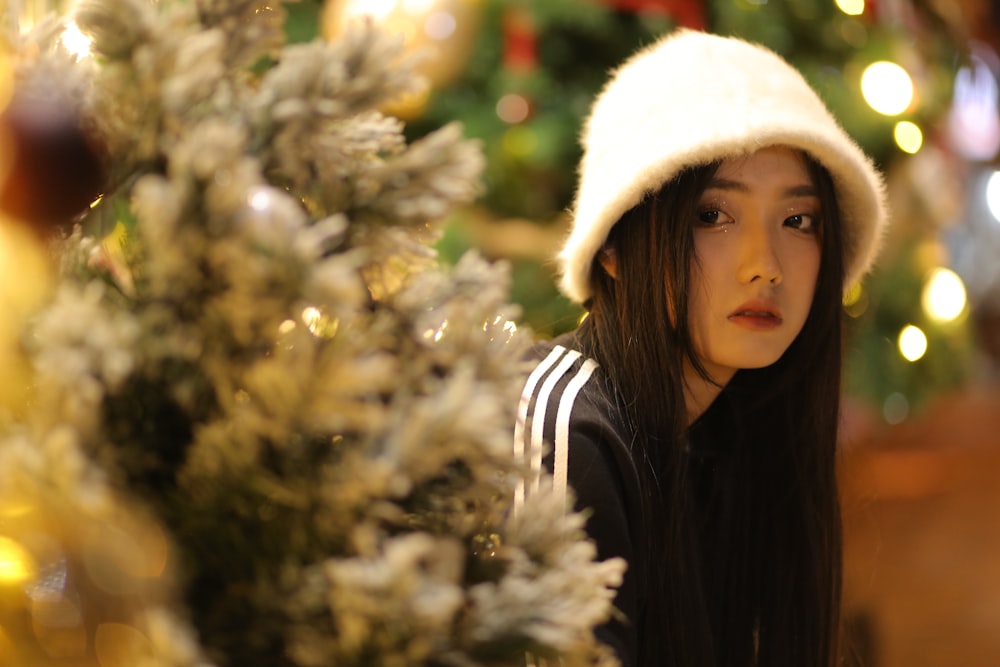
803	222
710	216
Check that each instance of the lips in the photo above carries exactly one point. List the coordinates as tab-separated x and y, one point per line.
758	315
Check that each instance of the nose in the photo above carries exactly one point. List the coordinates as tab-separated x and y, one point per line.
759	260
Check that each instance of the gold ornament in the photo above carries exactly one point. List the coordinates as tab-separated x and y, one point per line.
442	32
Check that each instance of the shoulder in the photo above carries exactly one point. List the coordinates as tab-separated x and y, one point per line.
564	386
567	419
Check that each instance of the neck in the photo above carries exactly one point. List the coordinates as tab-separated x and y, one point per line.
700	392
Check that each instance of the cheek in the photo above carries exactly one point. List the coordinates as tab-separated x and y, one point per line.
805	265
712	269
709	263
811	264
699	304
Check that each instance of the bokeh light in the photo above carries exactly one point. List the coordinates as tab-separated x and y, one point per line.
855	301
377	9
520	141
908	136
944	295
75	41
319	323
513	108
896	408
418	6
851	7
440	25
912	343
853	294
6	91
973	122
887	88
16	564
993	194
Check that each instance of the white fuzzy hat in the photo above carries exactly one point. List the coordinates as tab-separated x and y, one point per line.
694	98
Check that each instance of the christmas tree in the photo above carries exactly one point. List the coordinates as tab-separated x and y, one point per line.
266	426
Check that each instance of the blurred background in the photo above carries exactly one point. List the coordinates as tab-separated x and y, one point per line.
917	83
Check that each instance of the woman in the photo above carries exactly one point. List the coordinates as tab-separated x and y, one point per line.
720	214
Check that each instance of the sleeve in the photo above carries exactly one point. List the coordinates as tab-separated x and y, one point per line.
562	414
597	485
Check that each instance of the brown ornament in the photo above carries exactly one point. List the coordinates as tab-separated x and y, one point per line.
55	167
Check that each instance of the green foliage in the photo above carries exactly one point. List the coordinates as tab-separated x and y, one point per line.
530	169
891	300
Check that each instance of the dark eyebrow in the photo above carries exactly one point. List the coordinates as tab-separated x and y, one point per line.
804	190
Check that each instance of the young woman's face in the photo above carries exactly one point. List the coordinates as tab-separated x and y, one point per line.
757	258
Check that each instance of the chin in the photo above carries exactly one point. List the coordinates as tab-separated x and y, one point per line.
758	360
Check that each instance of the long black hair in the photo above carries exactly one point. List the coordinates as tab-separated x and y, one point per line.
741	515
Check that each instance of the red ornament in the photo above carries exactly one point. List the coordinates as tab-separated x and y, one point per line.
871	9
55	166
520	46
688	13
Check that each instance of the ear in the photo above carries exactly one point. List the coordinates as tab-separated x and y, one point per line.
609	261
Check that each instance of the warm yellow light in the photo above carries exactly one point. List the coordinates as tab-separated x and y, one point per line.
377	9
944	295
311	316
319	323
418	6
851	7
520	141
887	88
508	327
908	136
6	86
436	334
853	295
16	564
75	41
912	343
855	301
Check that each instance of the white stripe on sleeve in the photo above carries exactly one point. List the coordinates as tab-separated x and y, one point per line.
522	414
538	420
560	467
